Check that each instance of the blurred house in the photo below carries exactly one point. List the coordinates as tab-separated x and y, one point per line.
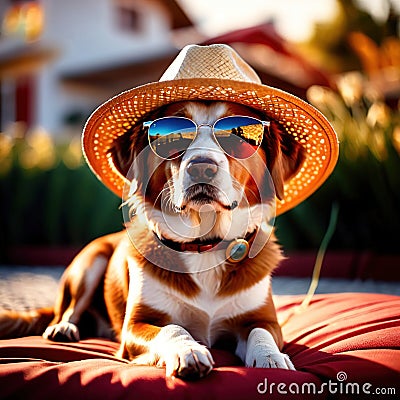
275	60
59	59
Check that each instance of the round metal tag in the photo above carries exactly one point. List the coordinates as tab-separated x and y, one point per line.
237	250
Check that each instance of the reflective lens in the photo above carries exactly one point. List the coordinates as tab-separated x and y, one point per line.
169	137
238	136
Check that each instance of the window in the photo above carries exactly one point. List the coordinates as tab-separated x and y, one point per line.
128	19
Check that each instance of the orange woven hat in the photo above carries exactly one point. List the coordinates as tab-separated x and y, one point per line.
218	73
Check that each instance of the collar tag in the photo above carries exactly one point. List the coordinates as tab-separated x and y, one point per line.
237	250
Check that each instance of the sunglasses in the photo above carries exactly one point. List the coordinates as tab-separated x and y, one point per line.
238	136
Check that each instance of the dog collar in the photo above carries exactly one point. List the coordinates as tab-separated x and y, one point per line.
236	250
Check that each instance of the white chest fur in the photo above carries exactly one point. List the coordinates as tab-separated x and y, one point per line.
204	314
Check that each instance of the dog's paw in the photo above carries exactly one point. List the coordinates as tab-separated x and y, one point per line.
62	332
176	350
189	361
262	352
263	359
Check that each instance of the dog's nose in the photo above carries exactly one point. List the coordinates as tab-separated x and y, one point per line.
202	170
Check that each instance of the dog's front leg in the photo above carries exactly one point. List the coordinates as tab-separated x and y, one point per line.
260	339
170	346
262	351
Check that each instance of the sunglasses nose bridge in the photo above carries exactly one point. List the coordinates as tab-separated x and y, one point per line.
203	129
201	125
204	133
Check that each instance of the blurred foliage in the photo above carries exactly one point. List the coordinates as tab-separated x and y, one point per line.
363	107
330	40
48	196
366	180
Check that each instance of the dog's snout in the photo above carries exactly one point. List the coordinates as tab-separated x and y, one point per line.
202	170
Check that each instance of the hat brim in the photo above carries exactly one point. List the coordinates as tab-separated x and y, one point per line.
301	120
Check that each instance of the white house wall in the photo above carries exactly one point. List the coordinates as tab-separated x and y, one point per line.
87	36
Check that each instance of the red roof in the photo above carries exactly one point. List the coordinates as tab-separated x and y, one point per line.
255	42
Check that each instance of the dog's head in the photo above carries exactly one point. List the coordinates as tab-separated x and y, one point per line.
203	192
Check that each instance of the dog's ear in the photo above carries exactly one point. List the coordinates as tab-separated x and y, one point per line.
122	152
285	156
125	151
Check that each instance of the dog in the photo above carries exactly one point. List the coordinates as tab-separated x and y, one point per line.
171	310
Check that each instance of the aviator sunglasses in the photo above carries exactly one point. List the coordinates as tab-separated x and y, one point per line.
238	136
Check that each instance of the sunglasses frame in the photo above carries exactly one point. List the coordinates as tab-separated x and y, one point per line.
147	124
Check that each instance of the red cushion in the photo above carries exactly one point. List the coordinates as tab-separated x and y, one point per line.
354	334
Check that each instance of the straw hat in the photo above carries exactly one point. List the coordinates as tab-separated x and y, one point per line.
214	72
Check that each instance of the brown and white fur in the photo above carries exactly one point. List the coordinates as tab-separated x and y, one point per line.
167	318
